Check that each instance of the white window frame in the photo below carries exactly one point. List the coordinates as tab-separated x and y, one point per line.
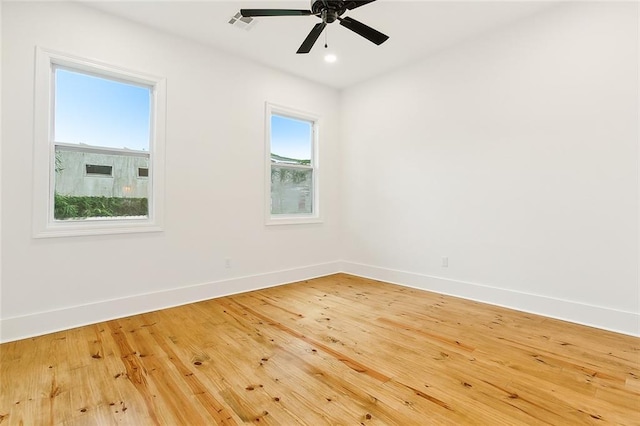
44	224
302	218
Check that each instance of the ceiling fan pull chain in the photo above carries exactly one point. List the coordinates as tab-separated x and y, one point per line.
326	43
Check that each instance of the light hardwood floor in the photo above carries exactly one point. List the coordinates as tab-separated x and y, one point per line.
333	350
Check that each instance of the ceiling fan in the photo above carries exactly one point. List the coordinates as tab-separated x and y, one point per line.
329	11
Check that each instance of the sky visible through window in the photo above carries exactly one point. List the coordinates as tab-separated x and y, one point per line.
291	138
101	112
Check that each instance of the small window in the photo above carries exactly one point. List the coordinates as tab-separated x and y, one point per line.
96	121
95	170
292	169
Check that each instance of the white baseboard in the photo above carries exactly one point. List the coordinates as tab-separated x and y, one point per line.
593	316
37	324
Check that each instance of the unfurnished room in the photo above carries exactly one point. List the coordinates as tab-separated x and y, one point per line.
309	212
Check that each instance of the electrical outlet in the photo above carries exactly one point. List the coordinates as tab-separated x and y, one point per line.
227	262
445	262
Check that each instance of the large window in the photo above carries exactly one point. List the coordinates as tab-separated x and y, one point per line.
292	139
97	127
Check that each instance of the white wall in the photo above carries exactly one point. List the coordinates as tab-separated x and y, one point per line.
214	180
516	156
0	175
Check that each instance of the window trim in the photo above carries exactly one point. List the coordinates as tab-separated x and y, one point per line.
292	219
44	225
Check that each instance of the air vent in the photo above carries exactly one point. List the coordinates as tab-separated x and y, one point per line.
242	22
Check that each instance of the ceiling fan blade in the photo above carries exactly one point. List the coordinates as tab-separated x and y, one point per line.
353	4
308	42
274	12
365	31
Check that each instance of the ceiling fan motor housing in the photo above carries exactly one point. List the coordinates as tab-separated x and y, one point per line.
329	10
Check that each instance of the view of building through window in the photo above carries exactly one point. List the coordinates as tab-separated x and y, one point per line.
101	138
292	171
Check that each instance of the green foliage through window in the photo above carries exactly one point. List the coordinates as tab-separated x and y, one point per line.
72	207
285	175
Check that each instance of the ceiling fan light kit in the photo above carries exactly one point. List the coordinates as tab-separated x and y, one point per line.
329	11
330	58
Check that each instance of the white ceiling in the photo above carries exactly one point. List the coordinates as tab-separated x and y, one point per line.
416	29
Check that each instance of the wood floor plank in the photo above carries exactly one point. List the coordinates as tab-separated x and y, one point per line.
332	350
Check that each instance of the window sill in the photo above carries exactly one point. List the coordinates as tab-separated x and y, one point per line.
79	229
292	220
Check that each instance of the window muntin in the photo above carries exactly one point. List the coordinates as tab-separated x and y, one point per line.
292	168
131	136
